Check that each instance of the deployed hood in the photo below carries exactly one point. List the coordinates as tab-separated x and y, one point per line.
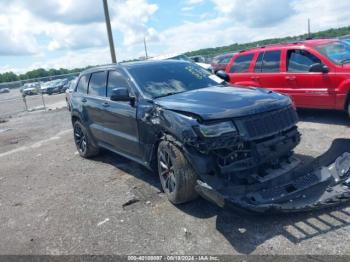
224	102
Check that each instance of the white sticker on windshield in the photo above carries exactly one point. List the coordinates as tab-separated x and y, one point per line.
216	79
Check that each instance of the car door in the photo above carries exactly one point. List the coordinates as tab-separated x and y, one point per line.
96	104
119	118
308	89
239	70
79	98
267	70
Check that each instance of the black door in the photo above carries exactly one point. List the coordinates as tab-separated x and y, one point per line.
119	120
96	104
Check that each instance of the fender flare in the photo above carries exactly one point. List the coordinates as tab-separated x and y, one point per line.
344	88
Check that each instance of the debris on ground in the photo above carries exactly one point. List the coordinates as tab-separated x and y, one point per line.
130	202
148	202
102	222
187	233
3	120
13	141
242	230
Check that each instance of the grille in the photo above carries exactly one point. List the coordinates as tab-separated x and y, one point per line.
270	123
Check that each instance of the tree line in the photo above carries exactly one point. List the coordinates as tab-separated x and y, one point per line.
210	52
36	73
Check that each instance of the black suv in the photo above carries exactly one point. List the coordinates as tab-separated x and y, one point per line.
229	144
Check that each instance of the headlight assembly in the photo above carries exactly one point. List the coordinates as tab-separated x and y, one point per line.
217	129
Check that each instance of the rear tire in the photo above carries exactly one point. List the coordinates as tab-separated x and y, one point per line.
83	141
177	176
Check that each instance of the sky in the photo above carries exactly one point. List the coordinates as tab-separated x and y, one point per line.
72	33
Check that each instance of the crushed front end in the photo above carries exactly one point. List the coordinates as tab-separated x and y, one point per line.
255	168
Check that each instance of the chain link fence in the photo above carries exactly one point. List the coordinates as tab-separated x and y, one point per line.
33	94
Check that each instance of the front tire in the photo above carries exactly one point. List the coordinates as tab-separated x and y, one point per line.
176	175
83	141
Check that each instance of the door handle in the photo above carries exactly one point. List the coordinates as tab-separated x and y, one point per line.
290	77
83	100
105	104
254	77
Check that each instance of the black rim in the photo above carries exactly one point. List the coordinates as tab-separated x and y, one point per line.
166	172
80	139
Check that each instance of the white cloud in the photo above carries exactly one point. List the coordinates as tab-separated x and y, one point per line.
66	11
131	17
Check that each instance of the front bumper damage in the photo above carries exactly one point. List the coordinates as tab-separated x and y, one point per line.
295	187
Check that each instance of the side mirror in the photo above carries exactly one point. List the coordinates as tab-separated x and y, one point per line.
120	94
318	67
223	75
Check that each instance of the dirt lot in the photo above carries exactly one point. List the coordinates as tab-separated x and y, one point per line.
54	202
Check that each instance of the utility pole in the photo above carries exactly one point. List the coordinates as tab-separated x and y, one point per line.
109	32
308	28
144	42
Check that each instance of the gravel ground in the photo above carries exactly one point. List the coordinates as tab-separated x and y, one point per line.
54	202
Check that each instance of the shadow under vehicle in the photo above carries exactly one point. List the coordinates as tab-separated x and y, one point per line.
233	146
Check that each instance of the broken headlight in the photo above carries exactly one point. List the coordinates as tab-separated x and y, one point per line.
217	129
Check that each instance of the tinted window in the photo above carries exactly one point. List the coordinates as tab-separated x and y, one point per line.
83	83
338	52
300	61
241	63
271	61
163	79
97	84
225	60
258	63
116	79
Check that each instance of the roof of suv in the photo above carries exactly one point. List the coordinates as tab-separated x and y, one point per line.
130	65
310	43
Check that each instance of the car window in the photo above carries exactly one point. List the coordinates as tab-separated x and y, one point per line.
116	79
257	67
300	60
164	79
97	84
83	83
241	63
271	61
225	60
338	52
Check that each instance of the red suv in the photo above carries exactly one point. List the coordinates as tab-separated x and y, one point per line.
315	73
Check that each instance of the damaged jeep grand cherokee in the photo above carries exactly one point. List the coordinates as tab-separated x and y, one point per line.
233	146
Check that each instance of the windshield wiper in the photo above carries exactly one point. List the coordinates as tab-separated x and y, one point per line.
345	61
169	94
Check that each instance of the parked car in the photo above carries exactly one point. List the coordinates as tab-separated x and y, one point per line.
4	90
346	39
198	59
231	145
181	57
30	89
55	86
315	73
220	62
69	92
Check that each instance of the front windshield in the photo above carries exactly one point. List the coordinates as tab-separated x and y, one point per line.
338	52
162	79
182	57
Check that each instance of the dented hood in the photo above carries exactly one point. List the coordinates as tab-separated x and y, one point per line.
224	102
